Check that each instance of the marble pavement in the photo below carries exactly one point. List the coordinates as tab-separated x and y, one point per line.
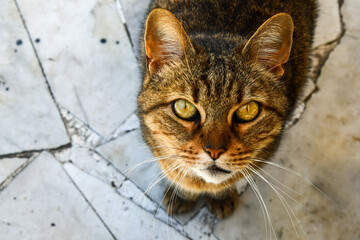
70	138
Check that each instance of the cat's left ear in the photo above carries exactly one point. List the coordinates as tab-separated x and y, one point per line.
271	43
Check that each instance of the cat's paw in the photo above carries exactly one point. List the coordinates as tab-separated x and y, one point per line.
174	204
224	206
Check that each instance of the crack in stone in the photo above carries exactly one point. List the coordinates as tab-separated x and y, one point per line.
30	153
174	223
81	105
123	20
91	206
326	49
319	56
130	124
11	177
80	133
40	63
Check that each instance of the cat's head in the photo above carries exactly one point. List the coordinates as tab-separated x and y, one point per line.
207	114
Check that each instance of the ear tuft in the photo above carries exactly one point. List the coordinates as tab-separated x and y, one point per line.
165	39
271	43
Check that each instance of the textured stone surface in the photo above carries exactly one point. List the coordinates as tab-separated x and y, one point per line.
129	153
29	118
42	203
96	81
351	19
8	166
123	217
328	23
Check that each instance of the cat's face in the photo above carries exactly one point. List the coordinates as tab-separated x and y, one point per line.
206	116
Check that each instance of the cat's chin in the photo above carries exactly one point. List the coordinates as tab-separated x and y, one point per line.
213	177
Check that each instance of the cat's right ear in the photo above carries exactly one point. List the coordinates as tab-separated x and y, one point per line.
165	39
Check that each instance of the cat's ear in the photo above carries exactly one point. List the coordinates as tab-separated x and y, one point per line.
271	44
165	39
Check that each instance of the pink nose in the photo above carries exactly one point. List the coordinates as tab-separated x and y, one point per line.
214	153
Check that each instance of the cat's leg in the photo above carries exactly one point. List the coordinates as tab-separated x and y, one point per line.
224	203
177	201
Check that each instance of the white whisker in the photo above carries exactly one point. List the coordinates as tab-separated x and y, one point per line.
295	173
130	170
284	202
268	225
281	185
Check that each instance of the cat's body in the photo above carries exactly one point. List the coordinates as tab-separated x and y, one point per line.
215	57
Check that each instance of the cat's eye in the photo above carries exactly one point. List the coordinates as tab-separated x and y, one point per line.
247	112
185	110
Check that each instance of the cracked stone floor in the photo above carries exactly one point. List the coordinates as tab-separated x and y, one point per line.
69	138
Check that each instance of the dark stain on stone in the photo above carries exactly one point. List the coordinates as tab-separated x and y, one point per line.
355	138
53	225
19	42
15	50
117	42
103	40
7	89
37	40
280	233
113	184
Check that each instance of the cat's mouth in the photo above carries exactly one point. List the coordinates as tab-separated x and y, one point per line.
216	170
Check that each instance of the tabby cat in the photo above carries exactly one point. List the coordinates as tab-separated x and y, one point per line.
220	80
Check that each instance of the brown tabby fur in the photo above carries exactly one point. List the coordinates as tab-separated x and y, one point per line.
217	77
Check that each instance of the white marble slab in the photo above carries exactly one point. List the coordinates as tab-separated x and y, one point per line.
8	166
87	57
130	191
328	24
29	118
128	153
90	162
42	203
125	219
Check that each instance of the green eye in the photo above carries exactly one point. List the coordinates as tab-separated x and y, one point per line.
248	112
184	109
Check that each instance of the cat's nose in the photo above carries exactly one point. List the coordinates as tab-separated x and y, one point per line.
214	152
